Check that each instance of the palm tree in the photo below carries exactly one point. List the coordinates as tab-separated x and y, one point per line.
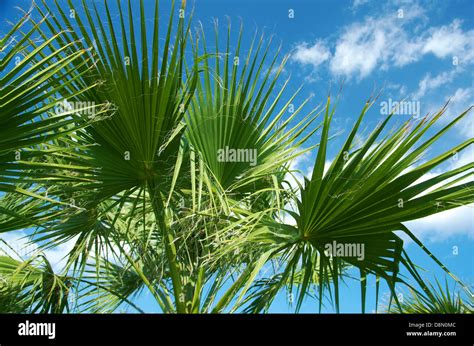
435	300
136	182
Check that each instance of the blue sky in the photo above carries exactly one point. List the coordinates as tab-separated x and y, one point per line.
419	50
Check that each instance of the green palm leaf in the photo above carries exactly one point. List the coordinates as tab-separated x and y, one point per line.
233	109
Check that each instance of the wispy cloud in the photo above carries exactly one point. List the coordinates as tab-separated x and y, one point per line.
450	41
395	39
429	82
460	101
314	54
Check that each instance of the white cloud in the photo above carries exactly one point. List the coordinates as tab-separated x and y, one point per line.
314	54
386	41
376	43
449	41
359	50
19	242
429	83
441	226
460	101
445	224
